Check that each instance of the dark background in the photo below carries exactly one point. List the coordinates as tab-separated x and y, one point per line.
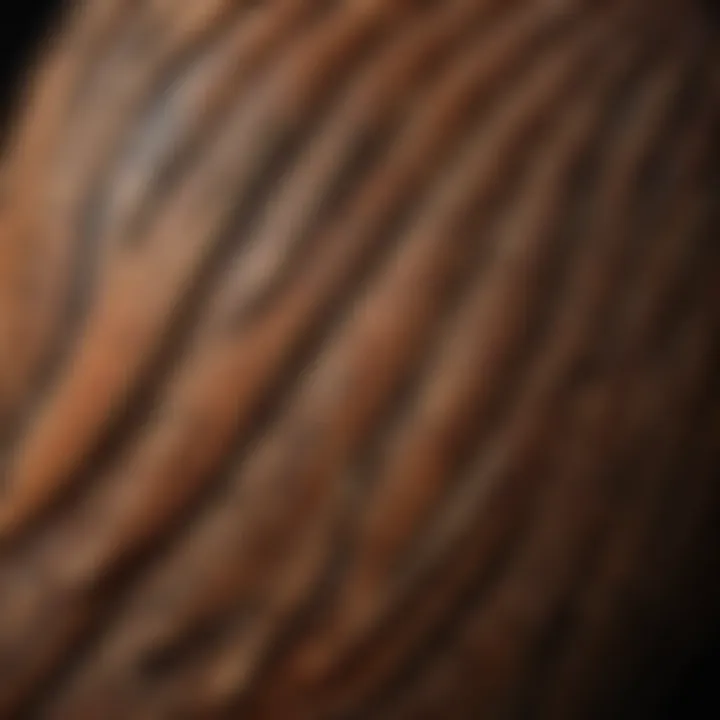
22	32
696	695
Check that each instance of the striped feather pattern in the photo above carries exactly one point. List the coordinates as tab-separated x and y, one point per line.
359	359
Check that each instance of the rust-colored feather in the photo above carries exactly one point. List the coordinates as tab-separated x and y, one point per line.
360	360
